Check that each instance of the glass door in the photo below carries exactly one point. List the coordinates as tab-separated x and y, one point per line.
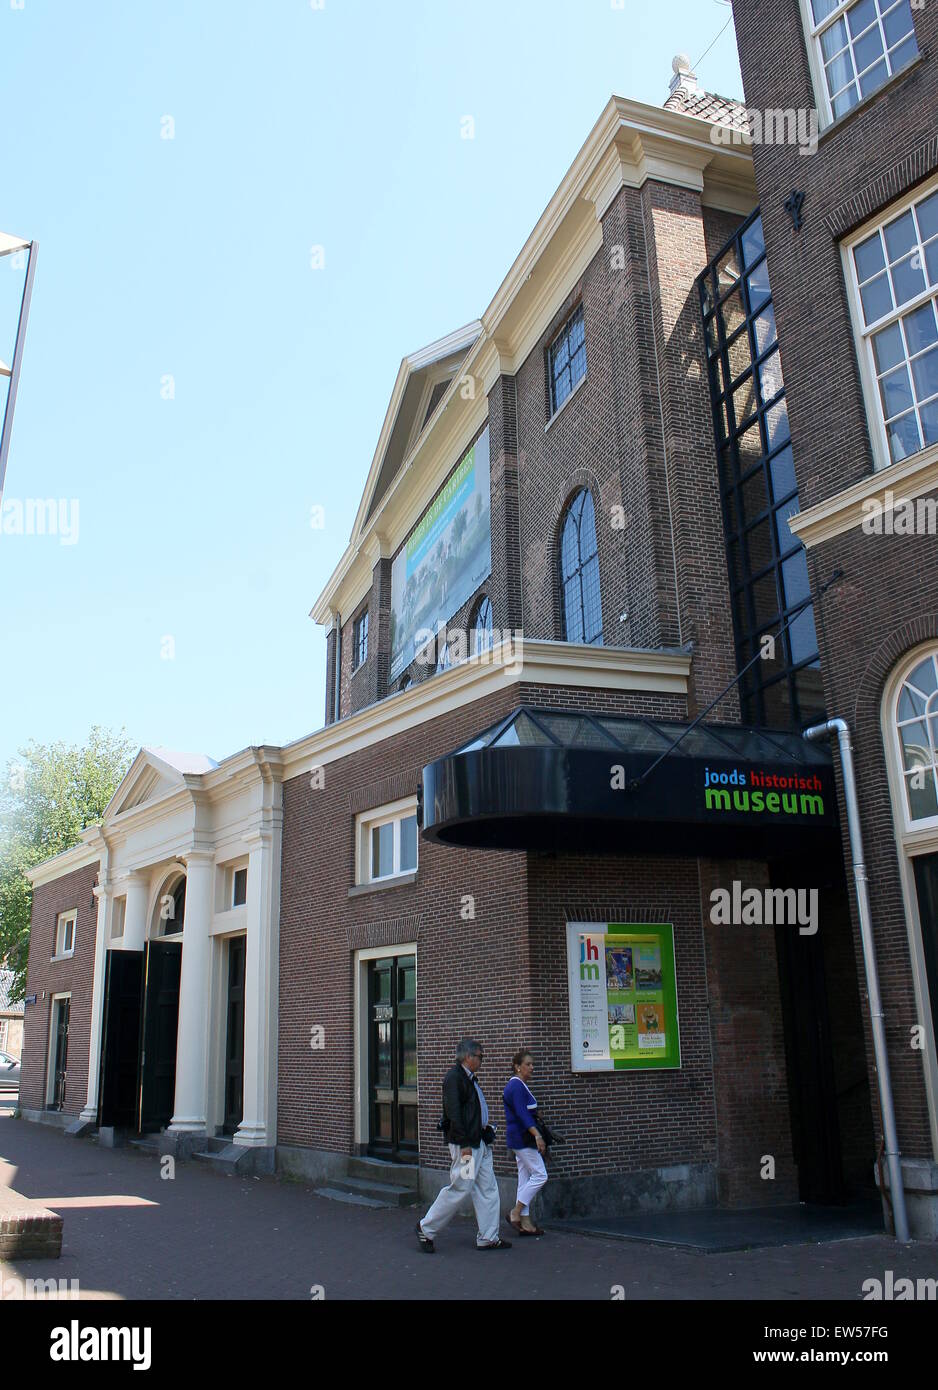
60	1062
392	1058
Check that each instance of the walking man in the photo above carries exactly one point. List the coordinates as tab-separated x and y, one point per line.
472	1173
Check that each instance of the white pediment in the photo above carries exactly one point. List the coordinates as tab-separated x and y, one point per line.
153	774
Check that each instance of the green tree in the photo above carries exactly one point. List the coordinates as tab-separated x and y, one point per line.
50	794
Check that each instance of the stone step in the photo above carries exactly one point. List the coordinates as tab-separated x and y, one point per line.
380	1170
355	1198
387	1194
148	1144
28	1230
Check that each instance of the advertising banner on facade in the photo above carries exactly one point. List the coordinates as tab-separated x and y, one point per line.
623	996
444	559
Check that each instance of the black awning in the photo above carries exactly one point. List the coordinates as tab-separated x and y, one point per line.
569	781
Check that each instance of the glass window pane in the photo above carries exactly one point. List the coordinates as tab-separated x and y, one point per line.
861	16
896	392
822	8
920	329
787	540
753	242
929	414
833	39
900	236
845	101
770	376
758	285
764	329
876	299
776	424
927	213
903	54
755	498
904	438
802	637
382	850
868	49
931	262
782	468
873	78
840	73
408	844
897	23
908	278
887	347
923	801
740	358
925	375
869	257
795	580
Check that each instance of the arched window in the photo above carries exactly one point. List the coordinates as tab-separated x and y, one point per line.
170	908
482	634
579	573
445	657
405	684
916	726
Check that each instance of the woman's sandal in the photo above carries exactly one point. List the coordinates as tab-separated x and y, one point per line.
523	1231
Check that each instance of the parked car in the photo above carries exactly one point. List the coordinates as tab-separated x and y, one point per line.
9	1072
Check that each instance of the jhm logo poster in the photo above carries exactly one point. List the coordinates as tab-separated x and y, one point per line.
445	558
623	996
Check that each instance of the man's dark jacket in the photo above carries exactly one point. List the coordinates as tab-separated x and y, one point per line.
462	1108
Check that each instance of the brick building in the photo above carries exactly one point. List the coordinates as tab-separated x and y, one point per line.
506	826
854	274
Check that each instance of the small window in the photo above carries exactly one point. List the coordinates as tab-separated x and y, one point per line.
858	45
239	887
65	934
360	640
567	360
895	295
445	658
117	918
482	633
387	842
406	683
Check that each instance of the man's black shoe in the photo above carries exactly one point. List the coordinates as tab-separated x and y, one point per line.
496	1245
426	1244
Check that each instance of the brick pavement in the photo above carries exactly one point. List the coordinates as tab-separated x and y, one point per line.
202	1236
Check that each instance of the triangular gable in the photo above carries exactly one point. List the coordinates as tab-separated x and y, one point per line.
154	773
399	434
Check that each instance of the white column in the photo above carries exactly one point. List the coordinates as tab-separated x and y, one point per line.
135	912
258	1127
102	892
192	1038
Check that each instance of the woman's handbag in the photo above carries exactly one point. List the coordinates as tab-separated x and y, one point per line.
548	1135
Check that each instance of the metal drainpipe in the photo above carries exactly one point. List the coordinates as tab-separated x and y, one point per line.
897	1192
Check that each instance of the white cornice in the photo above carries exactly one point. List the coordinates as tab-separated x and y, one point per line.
80	856
537	663
908	479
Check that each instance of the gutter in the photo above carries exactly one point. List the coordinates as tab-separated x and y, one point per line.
896	1190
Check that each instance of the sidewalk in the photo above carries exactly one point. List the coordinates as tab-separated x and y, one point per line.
130	1234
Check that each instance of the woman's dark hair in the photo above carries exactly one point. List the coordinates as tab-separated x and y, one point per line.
520	1056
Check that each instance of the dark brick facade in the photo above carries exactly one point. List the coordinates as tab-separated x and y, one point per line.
887	601
46	977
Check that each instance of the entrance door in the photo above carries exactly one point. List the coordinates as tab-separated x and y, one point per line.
234	1048
392	1058
926	888
60	1016
120	1039
161	972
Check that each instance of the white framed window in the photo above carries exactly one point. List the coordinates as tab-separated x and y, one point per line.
915	730
65	934
386	842
892	274
118	914
855	47
4	1030
360	640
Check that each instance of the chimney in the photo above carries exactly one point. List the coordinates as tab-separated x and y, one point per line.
684	80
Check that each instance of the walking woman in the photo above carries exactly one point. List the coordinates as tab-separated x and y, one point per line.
523	1137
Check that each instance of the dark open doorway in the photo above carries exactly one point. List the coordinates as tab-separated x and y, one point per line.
161	974
234	1045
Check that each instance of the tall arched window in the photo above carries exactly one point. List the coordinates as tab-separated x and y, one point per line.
916	726
170	910
482	634
579	573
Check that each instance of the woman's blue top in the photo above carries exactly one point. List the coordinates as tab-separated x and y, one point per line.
520	1108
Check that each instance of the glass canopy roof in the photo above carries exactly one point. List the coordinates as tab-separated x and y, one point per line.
533	727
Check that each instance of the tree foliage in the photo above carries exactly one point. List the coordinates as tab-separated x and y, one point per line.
50	794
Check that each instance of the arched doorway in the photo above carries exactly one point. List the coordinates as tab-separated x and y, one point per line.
162	970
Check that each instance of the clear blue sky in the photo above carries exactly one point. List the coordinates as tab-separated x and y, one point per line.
190	257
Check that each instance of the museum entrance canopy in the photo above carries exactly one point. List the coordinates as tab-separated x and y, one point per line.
568	781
